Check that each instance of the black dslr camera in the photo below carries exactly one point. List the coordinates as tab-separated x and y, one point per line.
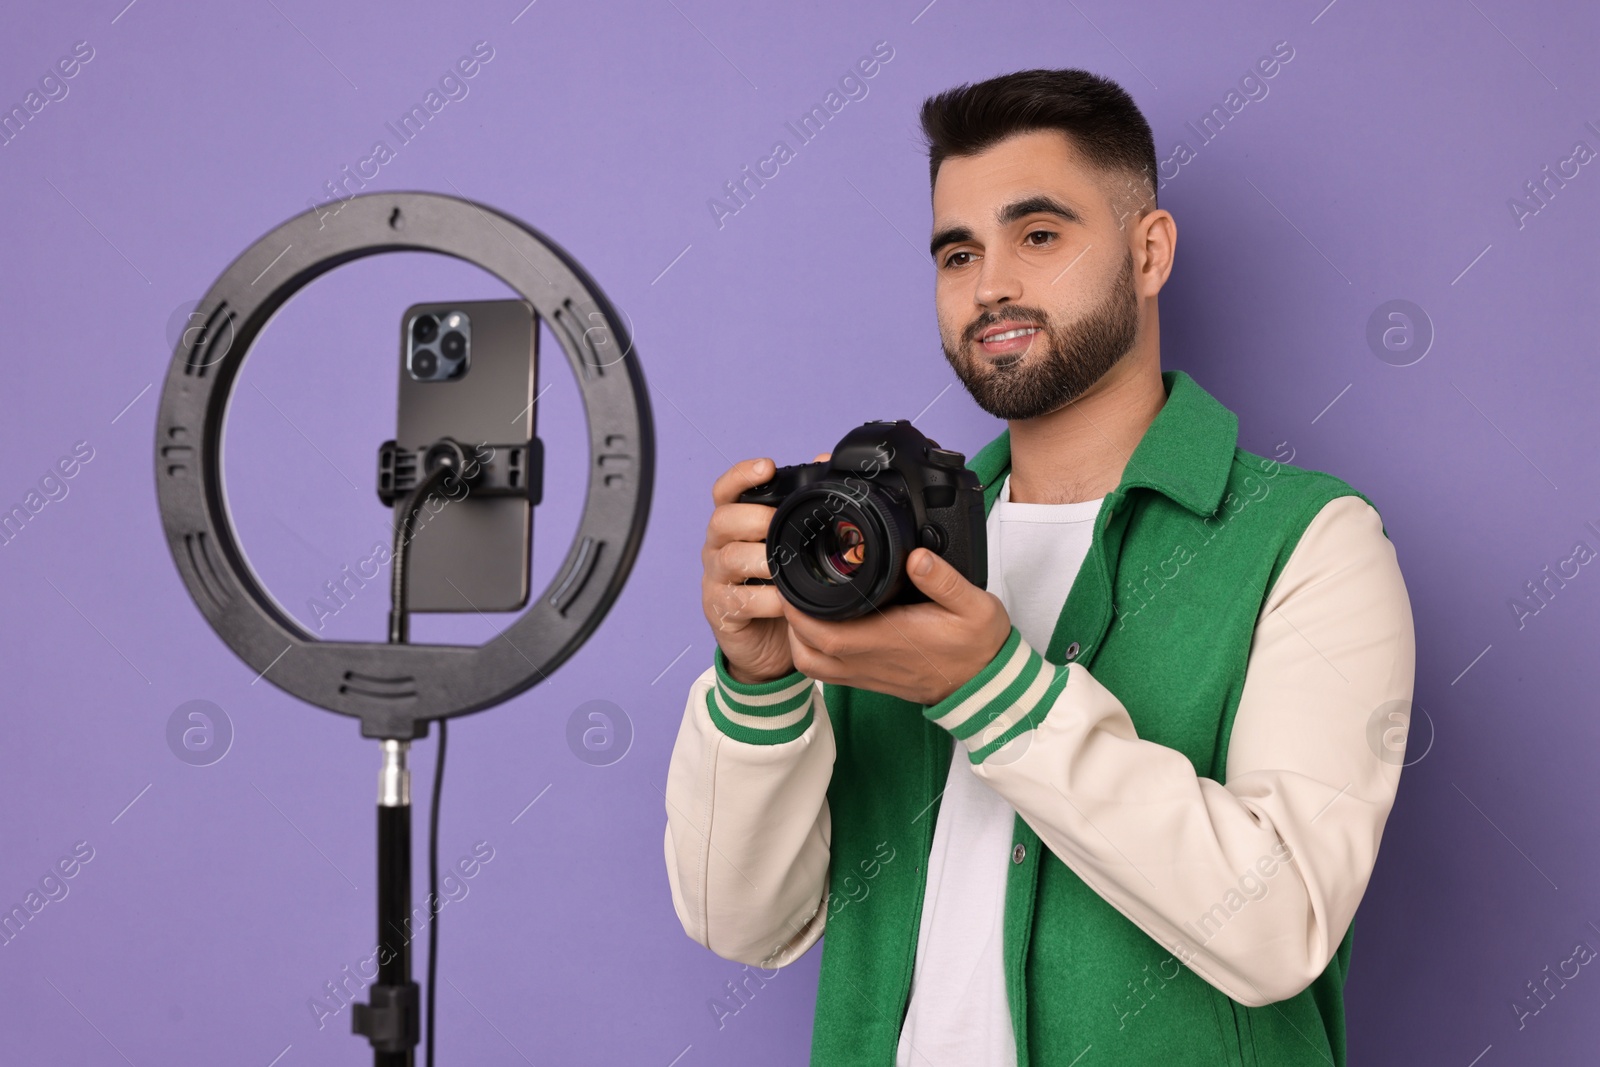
838	541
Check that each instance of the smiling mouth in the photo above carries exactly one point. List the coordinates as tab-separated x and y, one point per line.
1021	331
1012	342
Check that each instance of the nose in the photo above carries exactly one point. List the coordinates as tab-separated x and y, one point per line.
999	281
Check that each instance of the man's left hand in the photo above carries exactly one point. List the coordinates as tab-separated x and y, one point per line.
918	652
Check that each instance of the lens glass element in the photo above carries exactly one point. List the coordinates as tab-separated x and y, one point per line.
843	548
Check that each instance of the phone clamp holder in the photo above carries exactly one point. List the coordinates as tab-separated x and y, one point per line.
487	471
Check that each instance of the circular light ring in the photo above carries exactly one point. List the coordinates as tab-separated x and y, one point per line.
395	689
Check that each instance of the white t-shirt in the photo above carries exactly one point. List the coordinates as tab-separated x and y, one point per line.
958	1015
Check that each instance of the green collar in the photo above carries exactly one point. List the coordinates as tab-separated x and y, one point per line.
1185	454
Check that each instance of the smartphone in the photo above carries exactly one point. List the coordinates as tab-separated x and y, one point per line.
468	370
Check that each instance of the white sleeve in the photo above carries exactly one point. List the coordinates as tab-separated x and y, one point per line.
748	827
1253	883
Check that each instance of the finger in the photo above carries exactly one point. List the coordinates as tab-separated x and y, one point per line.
736	605
943	584
738	522
836	640
823	457
746	474
735	561
800	626
808	659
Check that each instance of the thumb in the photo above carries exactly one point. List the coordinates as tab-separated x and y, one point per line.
943	584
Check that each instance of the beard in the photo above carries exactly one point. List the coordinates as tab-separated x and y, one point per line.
1059	366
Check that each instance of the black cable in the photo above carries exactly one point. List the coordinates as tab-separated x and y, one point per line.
433	882
399	631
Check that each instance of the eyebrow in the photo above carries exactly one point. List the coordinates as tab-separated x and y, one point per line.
1017	209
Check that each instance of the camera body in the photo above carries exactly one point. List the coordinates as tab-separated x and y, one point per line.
843	527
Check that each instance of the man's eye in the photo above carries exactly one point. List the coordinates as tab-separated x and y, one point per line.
1041	233
950	260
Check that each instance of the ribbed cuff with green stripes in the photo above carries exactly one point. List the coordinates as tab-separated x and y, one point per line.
762	713
1011	695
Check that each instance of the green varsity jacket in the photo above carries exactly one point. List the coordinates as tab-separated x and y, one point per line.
1154	641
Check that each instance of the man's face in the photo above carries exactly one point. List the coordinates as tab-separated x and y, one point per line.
1029	238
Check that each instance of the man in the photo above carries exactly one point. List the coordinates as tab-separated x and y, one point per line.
1121	806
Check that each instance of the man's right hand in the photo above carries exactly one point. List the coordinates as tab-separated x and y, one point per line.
747	620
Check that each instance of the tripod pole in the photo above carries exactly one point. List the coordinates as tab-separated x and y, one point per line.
392	1021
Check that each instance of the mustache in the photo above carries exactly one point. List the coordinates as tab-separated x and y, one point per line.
1020	315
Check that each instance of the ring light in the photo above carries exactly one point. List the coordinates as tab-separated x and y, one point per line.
394	689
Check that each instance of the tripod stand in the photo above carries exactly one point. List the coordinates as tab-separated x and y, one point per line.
395	688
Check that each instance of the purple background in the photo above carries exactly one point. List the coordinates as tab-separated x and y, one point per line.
1378	167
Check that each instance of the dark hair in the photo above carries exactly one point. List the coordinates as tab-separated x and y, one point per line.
1096	113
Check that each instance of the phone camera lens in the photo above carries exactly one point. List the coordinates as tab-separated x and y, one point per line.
424	364
453	345
425	329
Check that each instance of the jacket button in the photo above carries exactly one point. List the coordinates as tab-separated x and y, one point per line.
1018	854
1072	651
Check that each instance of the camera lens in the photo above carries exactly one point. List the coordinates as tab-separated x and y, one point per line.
424	364
453	345
425	329
837	548
843	548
